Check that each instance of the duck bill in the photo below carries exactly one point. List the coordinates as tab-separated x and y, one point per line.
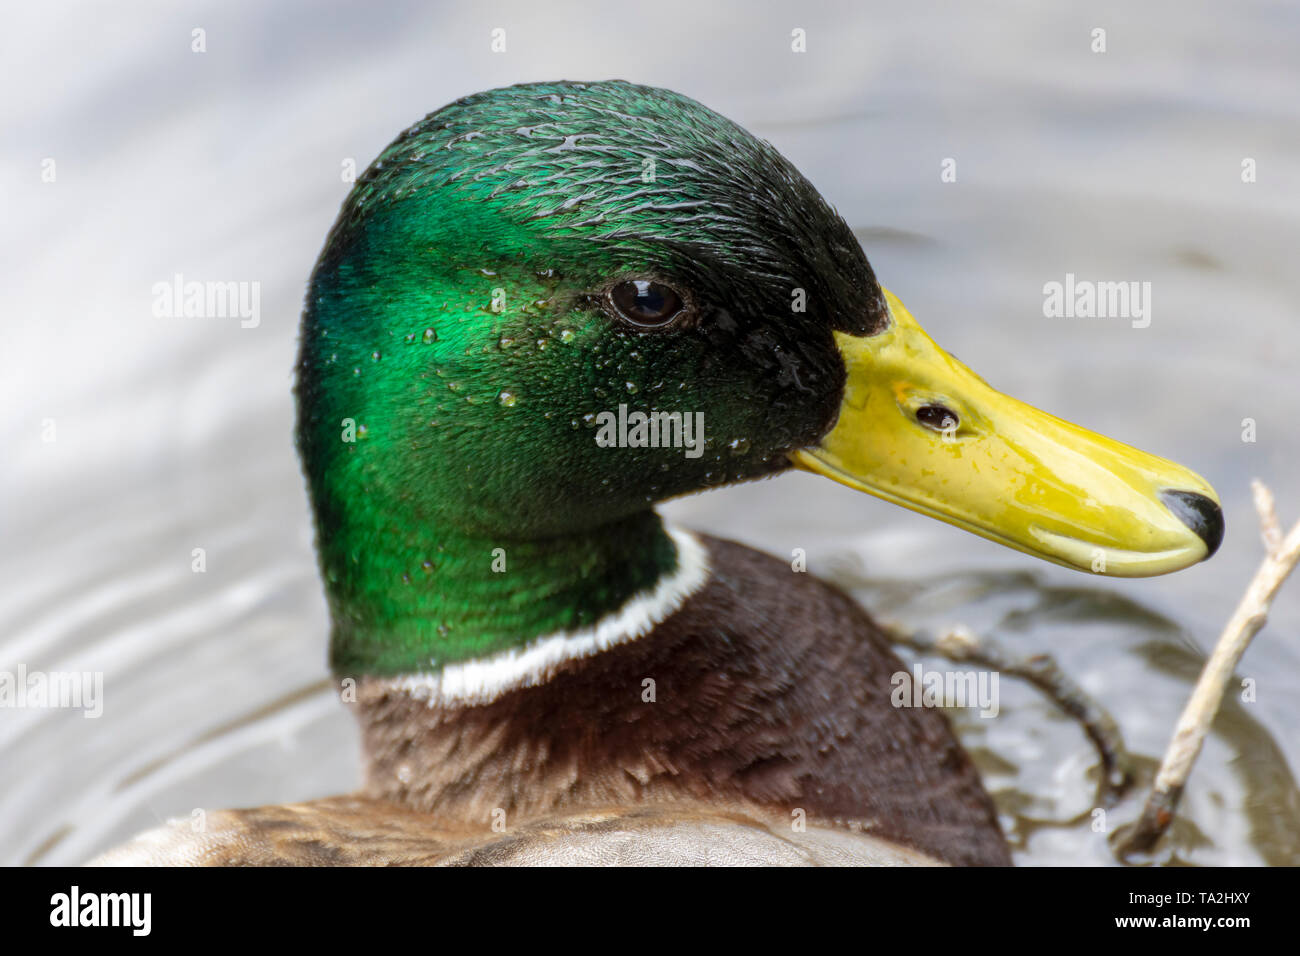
920	429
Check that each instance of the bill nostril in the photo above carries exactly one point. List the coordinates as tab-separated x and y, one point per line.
1199	513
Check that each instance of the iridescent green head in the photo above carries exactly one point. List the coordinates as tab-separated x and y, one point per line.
527	265
506	274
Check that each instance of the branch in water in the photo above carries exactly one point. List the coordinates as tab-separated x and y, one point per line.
1194	724
1041	671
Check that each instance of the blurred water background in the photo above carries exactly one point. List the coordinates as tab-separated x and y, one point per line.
175	434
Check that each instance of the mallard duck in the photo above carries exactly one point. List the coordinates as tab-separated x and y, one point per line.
542	310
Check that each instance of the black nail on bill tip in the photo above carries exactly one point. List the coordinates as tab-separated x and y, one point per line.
1200	514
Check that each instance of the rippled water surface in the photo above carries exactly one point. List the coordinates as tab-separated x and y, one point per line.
175	434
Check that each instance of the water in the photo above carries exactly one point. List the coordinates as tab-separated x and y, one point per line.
175	434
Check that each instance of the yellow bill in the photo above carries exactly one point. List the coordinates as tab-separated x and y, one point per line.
920	429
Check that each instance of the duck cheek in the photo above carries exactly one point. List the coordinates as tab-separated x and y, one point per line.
655	448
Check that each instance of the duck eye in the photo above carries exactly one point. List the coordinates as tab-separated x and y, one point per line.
937	417
645	303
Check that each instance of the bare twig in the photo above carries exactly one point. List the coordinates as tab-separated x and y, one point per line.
1194	724
1041	671
1269	528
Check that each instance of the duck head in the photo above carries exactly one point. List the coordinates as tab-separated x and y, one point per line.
545	308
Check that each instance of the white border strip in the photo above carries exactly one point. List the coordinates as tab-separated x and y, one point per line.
483	680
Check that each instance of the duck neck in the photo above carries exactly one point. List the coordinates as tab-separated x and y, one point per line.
418	600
